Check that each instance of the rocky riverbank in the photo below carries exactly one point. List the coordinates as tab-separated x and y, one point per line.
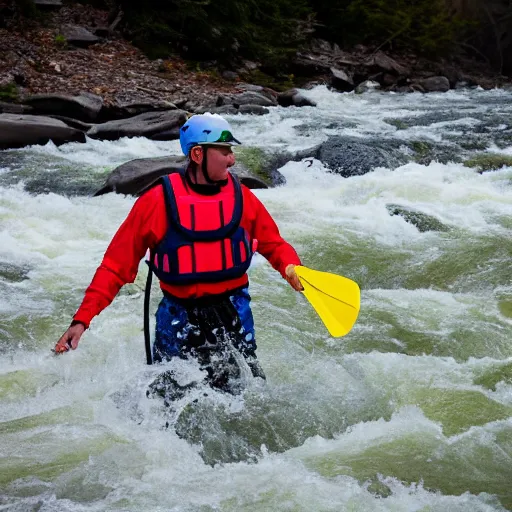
70	76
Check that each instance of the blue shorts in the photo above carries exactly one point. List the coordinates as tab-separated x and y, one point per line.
184	327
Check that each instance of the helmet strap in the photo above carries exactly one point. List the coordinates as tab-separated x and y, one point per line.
204	167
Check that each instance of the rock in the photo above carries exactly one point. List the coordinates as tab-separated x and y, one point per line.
350	156
14	108
419	219
257	110
79	36
321	46
125	110
225	109
381	61
366	86
84	107
74	123
265	91
246	98
153	125
48	4
137	176
435	84
341	80
307	64
230	75
102	32
295	98
17	131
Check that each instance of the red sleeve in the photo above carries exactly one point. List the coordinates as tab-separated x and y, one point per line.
262	227
143	228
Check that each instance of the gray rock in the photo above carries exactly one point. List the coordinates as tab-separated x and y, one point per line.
307	64
229	75
79	36
292	97
225	109
367	85
419	219
385	63
435	84
246	98
17	131
14	108
85	106
350	156
137	176
125	110
341	81
253	109
153	125
265	91
48	4
74	123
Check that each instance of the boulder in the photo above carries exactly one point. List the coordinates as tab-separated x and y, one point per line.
341	81
384	63
366	86
123	110
307	64
253	109
422	221
14	108
153	125
137	176
224	110
435	84
265	91
79	36
17	131
351	156
230	75
48	4
246	98
84	107
292	97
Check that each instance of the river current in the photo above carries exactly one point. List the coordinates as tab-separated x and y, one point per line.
410	411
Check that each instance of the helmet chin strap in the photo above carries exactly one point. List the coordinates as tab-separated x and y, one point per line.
204	168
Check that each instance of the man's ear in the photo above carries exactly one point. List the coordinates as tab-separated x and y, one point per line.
196	154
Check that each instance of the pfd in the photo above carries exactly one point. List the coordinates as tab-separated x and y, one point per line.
204	240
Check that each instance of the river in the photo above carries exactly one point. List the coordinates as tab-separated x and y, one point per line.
410	411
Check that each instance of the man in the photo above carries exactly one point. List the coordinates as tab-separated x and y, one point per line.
202	228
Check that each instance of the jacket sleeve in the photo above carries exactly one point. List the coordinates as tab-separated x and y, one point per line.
271	244
142	229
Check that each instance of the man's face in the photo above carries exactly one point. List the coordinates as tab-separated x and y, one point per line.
219	160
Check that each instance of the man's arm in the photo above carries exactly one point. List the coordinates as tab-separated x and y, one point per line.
143	228
280	254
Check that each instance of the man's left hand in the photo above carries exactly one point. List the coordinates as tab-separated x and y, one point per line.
293	278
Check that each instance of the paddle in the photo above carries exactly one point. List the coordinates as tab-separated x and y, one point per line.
335	298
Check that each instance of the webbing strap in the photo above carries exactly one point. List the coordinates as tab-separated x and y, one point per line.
147	295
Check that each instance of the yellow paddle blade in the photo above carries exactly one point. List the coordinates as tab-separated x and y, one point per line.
335	298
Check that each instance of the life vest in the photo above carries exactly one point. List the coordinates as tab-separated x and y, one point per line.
204	240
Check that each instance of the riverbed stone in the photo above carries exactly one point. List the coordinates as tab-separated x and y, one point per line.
84	106
17	131
137	176
153	125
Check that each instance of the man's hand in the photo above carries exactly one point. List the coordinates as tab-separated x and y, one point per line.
293	278
70	338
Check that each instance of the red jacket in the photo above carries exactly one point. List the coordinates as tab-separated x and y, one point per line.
146	226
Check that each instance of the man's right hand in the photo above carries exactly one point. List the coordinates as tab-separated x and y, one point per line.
70	338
